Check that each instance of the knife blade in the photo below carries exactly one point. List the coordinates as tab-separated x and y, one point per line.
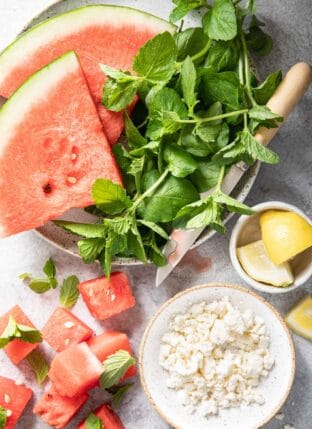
282	102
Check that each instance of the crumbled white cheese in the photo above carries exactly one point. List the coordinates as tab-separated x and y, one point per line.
280	416
216	356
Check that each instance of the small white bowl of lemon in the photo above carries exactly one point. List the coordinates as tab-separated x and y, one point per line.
272	249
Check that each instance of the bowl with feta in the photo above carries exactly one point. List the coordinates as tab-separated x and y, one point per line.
217	356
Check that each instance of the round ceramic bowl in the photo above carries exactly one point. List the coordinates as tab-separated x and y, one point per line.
247	230
275	388
67	241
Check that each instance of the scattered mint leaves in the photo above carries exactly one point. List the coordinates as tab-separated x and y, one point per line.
69	292
115	367
42	285
39	365
94	422
14	331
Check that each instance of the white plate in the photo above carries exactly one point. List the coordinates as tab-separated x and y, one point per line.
67	241
275	388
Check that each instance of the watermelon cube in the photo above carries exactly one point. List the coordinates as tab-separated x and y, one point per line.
56	410
109	418
109	343
64	329
17	350
107	297
75	370
14	398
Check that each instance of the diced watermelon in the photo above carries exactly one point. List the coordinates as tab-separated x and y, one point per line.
17	350
63	329
107	297
75	370
52	147
14	398
108	417
109	343
98	34
56	410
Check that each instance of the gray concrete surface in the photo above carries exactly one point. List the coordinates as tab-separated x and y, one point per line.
289	22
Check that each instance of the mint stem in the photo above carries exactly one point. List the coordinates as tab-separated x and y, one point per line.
220	179
203	51
212	118
247	70
149	191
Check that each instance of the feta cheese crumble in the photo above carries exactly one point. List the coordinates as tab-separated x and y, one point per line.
215	356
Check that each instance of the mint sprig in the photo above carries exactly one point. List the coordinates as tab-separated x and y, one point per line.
42	285
115	367
69	292
15	331
39	366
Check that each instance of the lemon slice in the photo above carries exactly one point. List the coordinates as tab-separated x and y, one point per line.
299	319
284	234
255	261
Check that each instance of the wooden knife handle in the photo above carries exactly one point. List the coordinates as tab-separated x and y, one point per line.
286	97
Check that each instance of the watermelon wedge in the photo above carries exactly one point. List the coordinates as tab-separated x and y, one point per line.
110	35
52	147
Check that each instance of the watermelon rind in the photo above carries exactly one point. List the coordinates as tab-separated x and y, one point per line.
71	22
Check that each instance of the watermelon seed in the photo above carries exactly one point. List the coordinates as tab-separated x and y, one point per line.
9	413
67	341
7	398
72	180
113	297
69	325
47	188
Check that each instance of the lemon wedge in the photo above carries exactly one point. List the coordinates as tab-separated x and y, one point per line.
284	234
257	264
299	319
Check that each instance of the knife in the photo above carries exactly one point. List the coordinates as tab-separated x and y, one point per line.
282	102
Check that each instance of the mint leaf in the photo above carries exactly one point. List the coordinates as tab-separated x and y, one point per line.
232	204
257	40
220	22
118	95
266	89
15	331
115	243
94	422
41	285
3	417
88	230
180	162
257	150
263	113
134	137
154	227
39	365
165	110
188	82
206	176
49	268
115	367
118	393
223	87
90	248
190	42
156	59
110	197
184	7
69	292
223	56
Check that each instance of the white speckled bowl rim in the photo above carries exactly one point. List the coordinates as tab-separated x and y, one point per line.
67	242
208	286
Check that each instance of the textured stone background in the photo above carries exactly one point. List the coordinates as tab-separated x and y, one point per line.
289	22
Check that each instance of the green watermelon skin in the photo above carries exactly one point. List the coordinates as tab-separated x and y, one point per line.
105	34
107	297
108	417
52	147
17	350
15	398
56	410
75	371
63	329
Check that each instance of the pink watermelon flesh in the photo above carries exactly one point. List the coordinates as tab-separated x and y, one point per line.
64	329
56	410
109	343
52	148
15	398
109	419
98	34
107	297
75	370
17	350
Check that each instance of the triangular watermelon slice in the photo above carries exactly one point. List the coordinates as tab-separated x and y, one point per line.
52	147
110	35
